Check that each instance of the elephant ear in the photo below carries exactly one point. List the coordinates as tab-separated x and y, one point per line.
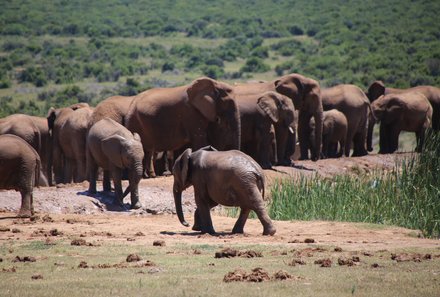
181	169
200	95
112	149
375	90
291	86
51	117
269	103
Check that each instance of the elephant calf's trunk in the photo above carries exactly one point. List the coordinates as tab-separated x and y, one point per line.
178	203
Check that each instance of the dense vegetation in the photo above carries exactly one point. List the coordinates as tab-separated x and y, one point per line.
117	46
408	196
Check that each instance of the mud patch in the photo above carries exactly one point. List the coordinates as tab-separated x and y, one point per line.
405	257
159	243
231	253
133	258
81	242
324	262
257	275
24	259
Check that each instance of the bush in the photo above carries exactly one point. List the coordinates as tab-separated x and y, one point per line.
255	65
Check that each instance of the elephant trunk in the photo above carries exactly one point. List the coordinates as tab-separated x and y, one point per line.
178	202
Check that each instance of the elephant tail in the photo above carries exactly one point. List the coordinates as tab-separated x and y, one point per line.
260	184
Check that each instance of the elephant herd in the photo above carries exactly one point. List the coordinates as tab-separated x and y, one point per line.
141	135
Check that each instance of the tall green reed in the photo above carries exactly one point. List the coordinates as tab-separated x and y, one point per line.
408	196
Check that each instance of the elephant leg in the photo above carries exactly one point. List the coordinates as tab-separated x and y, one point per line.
92	173
264	148
420	136
80	175
117	176
394	138
68	169
106	181
149	164
348	142
169	158
303	134
134	198
383	139
197	226
26	204
359	142
239	225
268	227
203	206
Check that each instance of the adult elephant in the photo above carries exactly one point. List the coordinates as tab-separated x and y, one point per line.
408	111
352	102
306	96
33	130
19	170
171	118
377	89
68	128
257	114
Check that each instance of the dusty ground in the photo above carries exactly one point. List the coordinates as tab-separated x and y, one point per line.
68	210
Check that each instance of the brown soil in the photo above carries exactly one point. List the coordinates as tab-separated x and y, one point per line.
67	212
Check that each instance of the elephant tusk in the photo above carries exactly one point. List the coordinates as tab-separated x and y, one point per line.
291	130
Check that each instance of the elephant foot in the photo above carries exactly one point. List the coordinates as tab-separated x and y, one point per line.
196	228
24	213
359	154
136	205
269	230
237	231
167	173
266	166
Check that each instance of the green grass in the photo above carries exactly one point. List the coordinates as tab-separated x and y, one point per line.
408	196
180	272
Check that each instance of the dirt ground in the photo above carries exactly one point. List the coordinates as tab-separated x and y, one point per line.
69	211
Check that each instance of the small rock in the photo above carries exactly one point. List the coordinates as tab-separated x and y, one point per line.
159	243
47	219
37	276
15	230
338	249
309	240
83	264
133	258
324	262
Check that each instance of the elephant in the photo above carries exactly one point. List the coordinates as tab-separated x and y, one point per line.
408	111
33	130
168	119
334	132
377	89
113	147
68	127
306	96
352	102
19	170
115	108
230	178
257	115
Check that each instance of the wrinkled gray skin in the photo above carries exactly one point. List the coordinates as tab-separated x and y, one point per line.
168	119
35	131
334	132
230	178
19	170
377	89
257	115
409	111
115	108
352	102
112	147
306	96
68	127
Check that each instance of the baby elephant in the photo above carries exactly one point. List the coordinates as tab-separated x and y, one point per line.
112	147
334	131
19	170
230	178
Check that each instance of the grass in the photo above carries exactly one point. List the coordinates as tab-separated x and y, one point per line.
408	196
180	272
